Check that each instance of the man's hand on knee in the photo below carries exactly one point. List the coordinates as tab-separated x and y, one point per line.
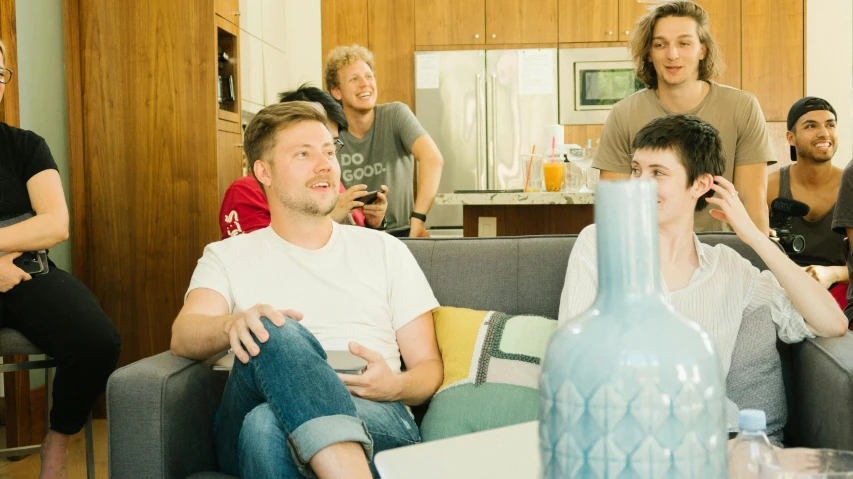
377	382
249	322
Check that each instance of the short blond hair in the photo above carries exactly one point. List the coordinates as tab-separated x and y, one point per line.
641	41
341	57
259	138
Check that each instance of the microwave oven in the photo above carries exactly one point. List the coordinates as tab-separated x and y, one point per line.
592	80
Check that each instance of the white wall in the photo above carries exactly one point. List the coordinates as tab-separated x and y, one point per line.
829	64
41	78
280	44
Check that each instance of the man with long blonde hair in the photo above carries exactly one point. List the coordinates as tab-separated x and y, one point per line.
677	58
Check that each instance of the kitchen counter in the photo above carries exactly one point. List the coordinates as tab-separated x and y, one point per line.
515	198
521	214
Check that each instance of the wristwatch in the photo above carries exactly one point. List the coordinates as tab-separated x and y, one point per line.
419	216
382	226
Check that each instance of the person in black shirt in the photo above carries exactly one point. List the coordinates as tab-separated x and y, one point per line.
54	310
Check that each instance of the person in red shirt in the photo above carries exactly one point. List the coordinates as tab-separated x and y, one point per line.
245	209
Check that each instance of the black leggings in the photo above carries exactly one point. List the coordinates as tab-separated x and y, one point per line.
58	313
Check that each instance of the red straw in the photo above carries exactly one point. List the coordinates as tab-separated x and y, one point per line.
529	166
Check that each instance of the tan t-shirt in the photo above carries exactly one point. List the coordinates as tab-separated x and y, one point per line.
734	113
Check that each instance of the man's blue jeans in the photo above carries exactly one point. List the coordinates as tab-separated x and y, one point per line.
287	404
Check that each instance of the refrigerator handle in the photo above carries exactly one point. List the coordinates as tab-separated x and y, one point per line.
480	131
494	135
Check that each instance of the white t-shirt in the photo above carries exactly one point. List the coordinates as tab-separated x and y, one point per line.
362	286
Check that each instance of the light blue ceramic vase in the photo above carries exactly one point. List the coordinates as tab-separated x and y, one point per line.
630	388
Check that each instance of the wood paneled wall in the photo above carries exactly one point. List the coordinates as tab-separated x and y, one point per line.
773	54
142	116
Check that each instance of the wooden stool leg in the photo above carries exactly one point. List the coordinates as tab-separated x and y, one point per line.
90	449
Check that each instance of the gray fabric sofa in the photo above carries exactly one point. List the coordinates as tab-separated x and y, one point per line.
160	409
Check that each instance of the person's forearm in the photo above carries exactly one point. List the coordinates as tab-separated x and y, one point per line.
429	177
756	206
42	231
421	382
815	304
200	336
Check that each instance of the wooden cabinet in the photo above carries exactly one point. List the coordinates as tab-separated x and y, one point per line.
773	54
479	22
228	70
147	160
629	12
450	22
229	155
583	21
589	21
344	23
725	27
228	9
521	21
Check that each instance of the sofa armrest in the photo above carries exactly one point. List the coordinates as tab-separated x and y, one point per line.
160	414
823	383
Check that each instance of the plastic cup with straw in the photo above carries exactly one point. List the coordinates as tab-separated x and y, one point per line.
529	167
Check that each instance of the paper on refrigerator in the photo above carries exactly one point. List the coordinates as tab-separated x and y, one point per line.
427	71
535	72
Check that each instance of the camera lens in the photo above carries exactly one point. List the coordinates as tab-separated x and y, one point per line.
798	244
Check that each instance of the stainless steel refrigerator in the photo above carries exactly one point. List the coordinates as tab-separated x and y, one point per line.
484	109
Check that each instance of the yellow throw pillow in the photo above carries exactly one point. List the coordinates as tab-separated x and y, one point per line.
456	331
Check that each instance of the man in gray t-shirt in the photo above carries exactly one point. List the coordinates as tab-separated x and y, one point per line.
383	142
842	222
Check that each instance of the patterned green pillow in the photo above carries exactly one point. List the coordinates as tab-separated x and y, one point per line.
491	371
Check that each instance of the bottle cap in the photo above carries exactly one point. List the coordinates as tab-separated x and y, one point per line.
752	420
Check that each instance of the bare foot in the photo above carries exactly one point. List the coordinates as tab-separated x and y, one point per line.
54	455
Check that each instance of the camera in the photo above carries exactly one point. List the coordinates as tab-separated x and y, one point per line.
782	213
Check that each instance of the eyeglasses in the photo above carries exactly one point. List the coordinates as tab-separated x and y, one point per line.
338	145
5	75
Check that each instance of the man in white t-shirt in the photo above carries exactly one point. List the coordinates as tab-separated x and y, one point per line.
281	296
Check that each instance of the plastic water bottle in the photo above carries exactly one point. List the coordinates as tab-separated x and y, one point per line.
751	446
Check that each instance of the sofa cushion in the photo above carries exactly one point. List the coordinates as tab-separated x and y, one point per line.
491	370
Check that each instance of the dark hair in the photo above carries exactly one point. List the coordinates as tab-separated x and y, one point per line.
259	138
305	92
695	142
640	43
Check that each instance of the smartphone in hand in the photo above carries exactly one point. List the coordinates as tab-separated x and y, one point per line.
346	362
32	262
369	198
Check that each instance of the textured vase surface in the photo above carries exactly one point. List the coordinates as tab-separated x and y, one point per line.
630	388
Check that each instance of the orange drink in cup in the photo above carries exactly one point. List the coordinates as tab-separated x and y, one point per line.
554	172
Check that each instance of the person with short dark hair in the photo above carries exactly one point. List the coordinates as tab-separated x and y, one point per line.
245	208
813	180
677	58
280	297
713	285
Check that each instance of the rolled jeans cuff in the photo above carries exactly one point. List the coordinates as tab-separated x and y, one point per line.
318	433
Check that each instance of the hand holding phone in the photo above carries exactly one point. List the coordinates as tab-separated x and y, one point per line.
346	362
369	198
32	262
